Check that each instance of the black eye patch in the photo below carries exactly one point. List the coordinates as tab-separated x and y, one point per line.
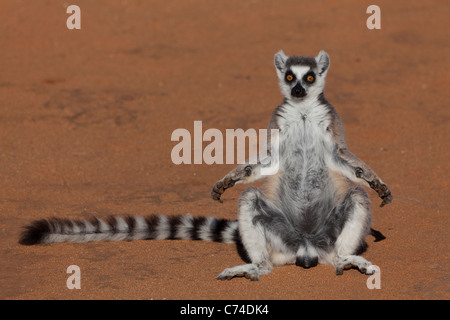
309	77
290	76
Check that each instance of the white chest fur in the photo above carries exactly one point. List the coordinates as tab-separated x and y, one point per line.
305	123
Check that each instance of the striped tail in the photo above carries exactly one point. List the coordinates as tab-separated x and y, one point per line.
157	227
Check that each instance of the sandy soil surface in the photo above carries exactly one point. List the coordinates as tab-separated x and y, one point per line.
86	118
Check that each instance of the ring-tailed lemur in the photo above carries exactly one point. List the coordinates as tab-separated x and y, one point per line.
314	209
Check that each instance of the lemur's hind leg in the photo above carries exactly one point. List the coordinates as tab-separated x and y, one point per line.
252	205
354	207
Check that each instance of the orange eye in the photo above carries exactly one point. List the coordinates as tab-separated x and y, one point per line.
310	78
289	77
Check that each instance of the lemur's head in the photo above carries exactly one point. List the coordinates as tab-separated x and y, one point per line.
301	77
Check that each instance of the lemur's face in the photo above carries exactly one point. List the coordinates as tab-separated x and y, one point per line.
301	77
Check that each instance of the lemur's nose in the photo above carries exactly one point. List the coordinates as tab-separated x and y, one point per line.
298	91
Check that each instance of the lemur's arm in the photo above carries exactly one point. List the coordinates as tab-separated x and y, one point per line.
360	172
266	164
354	168
244	173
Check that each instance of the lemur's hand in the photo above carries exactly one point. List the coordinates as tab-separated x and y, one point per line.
229	181
220	187
382	190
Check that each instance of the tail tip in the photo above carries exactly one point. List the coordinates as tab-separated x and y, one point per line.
34	233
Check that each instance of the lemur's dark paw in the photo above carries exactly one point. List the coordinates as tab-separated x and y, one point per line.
387	198
217	191
383	191
228	183
220	187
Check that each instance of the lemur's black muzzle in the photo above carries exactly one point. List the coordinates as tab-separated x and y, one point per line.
298	91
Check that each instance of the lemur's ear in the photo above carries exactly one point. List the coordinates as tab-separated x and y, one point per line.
323	62
280	62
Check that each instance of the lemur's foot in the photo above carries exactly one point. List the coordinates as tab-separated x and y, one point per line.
220	187
248	271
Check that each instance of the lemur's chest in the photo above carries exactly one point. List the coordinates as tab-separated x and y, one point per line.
305	127
305	149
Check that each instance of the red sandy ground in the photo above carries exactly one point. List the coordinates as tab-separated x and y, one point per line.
86	119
